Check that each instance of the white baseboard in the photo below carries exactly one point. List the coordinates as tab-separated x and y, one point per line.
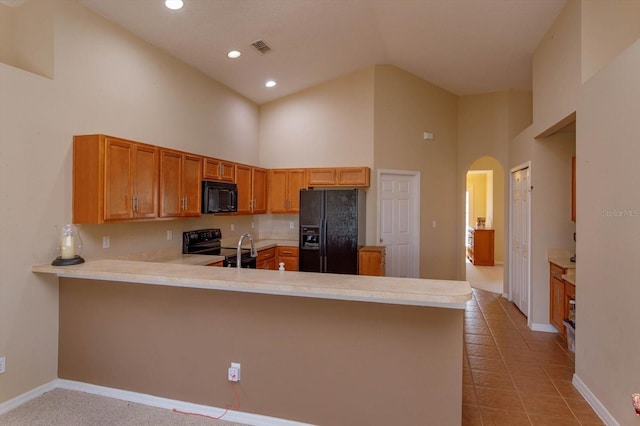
150	400
547	328
597	406
26	397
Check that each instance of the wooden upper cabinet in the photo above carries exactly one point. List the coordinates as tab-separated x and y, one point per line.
259	189
116	179
145	181
113	179
353	176
218	170
180	182
243	181
192	184
118	183
341	176
284	190
252	189
321	177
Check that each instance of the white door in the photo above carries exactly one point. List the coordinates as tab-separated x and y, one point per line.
520	224
399	222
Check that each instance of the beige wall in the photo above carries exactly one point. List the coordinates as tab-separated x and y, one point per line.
607	205
105	81
330	124
7	25
486	125
326	362
607	247
405	107
376	117
608	27
557	69
26	37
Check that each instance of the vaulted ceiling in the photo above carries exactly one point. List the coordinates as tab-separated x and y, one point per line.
464	46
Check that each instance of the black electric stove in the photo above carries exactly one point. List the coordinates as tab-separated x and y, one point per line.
208	242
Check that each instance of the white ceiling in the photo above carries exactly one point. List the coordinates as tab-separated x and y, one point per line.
464	46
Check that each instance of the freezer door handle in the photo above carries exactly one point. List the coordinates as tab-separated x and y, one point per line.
323	246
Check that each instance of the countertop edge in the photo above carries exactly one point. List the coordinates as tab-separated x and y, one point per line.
414	292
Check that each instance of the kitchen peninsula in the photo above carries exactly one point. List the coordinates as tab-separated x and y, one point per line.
314	348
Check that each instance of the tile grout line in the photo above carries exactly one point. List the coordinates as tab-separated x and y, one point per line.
504	360
564	399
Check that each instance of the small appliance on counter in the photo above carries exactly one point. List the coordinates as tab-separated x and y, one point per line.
208	242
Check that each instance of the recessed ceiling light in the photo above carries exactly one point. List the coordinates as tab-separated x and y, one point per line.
234	54
174	4
270	83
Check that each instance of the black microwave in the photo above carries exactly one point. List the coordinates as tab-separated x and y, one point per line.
219	197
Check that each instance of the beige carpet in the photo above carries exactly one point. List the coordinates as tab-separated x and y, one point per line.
71	408
488	278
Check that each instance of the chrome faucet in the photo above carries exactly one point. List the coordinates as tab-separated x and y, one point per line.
254	253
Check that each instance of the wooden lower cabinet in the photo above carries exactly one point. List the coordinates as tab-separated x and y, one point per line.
371	261
266	259
561	292
287	255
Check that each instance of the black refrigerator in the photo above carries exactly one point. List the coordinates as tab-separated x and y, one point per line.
332	229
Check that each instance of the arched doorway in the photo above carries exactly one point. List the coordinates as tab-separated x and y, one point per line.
485	224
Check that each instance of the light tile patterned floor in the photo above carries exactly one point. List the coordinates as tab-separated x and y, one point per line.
515	376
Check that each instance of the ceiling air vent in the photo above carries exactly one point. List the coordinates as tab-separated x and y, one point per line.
261	46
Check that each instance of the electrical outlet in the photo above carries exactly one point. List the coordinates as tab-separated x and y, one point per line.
233	227
106	241
169	235
252	224
234	372
291	225
3	364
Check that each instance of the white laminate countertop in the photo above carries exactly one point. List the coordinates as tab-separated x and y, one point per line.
562	258
399	291
563	262
570	276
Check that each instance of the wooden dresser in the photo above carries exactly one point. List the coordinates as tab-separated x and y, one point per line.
480	246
